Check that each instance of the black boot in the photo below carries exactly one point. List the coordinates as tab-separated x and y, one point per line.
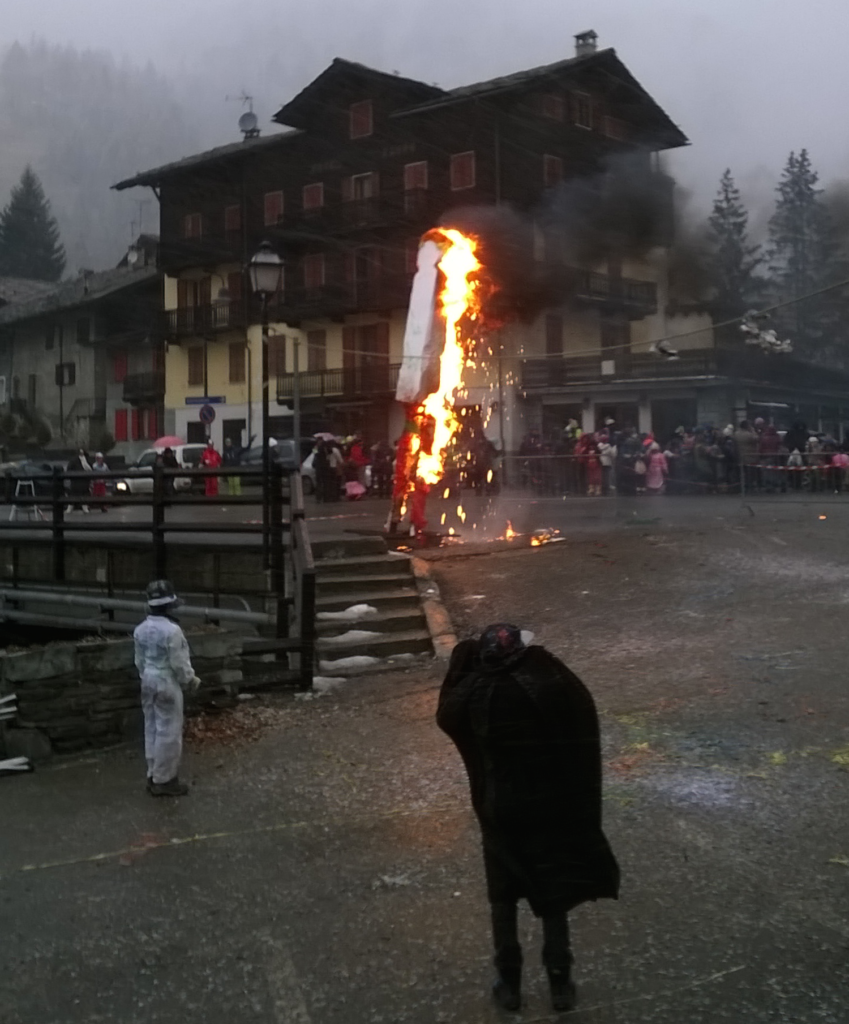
507	990
564	996
508	956
557	957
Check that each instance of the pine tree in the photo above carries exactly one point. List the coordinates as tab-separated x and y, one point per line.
30	245
733	260
801	260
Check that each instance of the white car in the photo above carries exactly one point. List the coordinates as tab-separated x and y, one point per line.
139	478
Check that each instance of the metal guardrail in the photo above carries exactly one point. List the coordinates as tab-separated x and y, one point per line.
294	590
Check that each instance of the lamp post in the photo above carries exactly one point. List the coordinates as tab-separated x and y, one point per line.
266	272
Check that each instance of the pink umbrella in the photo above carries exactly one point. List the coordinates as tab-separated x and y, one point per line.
169	441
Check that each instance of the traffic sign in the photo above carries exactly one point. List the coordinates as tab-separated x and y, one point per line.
207	414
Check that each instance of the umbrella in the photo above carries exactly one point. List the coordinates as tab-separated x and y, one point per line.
324	436
169	441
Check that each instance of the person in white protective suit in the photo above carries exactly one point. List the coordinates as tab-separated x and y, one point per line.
165	669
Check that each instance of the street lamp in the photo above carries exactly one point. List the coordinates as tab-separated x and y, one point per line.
266	273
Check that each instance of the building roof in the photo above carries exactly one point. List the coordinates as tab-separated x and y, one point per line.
80	291
607	61
292	112
432	98
19	289
232	150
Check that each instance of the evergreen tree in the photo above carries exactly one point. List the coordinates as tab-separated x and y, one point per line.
733	260
802	261
30	245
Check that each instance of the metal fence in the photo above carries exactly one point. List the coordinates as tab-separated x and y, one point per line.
45	499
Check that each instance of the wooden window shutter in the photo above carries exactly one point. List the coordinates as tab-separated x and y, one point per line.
182	294
235	282
120	424
205	291
237	362
381	339
360	119
119	362
349	347
135	424
347	189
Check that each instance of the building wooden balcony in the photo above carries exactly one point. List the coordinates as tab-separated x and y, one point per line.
203	321
741	364
634	298
144	387
377	379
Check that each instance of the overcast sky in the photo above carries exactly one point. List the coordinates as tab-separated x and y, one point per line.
747	80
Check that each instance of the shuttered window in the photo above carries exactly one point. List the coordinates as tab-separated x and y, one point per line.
232	220
193	225
195	358
119	365
553	107
316	350
235	283
237	362
314	271
415	175
276	356
120	424
313	195
462	171
360	119
273	208
582	109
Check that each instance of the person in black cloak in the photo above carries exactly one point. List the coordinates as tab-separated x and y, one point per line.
527	730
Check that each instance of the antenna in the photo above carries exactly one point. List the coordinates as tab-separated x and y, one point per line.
248	122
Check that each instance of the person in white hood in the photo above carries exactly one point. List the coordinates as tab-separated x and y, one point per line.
165	668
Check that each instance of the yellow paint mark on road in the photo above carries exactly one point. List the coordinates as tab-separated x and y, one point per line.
778	757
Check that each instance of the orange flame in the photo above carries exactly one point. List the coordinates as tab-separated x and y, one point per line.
458	299
510	533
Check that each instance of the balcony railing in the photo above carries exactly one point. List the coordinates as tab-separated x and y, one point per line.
194	321
144	387
370	380
740	364
622	292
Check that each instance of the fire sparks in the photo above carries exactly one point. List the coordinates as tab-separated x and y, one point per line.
509	532
545	536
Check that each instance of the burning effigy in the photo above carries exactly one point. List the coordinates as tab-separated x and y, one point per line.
439	343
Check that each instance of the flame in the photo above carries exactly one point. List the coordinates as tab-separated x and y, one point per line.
510	533
458	299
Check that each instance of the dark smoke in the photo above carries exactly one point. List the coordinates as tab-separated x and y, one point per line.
534	258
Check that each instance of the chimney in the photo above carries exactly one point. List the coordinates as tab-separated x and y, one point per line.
586	43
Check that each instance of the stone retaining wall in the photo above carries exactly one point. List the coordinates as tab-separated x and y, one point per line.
86	694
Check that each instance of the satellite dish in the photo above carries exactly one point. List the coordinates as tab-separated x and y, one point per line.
248	123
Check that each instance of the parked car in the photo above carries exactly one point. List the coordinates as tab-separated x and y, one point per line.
139	478
283	453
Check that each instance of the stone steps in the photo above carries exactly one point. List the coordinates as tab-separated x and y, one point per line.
388	620
361	571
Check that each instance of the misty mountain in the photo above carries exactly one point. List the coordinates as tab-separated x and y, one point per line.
83	120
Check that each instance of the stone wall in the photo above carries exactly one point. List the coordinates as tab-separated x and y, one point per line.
86	694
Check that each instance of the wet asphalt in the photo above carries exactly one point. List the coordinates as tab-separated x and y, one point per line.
328	869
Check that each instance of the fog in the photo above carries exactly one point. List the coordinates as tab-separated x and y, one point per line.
747	80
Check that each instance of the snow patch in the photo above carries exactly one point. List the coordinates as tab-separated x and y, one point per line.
352	636
355	661
321	686
352	614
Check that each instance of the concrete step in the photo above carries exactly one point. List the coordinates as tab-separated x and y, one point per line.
390	620
347	583
345	547
366	564
409	641
389	596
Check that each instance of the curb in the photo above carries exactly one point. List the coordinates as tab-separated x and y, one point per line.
438	620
